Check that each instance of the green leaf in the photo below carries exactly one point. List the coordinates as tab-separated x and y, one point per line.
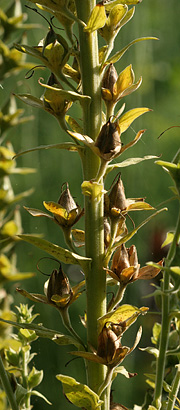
38	394
125	313
67	146
130	161
73	124
111	4
35	377
151	350
70	95
156	333
41	331
120	53
30	100
126	120
79	394
64	255
122	370
168	240
97	18
173	170
127	237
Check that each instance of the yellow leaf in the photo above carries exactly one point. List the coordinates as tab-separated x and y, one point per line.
125	79
126	120
125	313
97	18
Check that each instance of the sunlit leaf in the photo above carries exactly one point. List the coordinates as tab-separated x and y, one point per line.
120	53
79	394
127	313
139	206
126	120
37	212
64	255
109	5
38	394
130	161
97	18
151	350
168	240
122	370
73	124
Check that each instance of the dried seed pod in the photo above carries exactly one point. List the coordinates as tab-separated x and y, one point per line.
58	284
108	343
108	83
66	200
120	260
117	196
108	141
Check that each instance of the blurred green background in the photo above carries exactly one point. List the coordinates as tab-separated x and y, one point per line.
159	64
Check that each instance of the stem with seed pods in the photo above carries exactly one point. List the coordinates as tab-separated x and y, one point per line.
94	227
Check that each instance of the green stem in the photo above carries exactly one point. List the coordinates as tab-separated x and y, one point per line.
25	359
67	323
94	226
107	382
165	321
175	389
119	296
7	386
110	106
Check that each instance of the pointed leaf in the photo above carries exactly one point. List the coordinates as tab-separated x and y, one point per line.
97	18
132	233
168	240
126	120
89	356
30	100
67	145
135	140
59	253
69	95
73	124
127	313
125	79
122	370
120	53
109	5
38	394
37	212
41	331
79	394
130	161
151	350
139	206
128	16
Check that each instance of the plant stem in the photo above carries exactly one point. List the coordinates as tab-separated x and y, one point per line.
165	321
175	389
7	386
94	225
25	359
67	323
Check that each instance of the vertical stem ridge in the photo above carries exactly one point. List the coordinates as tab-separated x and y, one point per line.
94	226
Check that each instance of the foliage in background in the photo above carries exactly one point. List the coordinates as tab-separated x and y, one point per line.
86	187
